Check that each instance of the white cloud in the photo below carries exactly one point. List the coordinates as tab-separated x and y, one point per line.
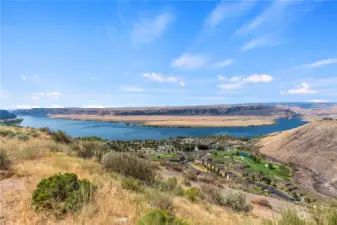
35	77
23	77
189	61
220	77
222	63
230	86
206	98
158	77
324	62
131	89
258	78
303	88
55	106
262	41
52	95
318	101
148	30
181	84
235	79
27	106
93	78
224	10
238	82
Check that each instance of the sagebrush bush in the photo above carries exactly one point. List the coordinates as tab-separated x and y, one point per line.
290	217
5	163
132	184
213	194
87	149
61	137
62	193
22	137
160	217
171	185
6	133
129	165
193	194
237	202
159	200
190	176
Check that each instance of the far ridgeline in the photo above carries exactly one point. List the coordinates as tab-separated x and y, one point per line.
5	115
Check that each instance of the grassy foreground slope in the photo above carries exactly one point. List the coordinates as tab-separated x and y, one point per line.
312	148
28	155
40	157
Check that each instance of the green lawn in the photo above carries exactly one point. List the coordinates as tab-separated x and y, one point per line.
163	156
277	171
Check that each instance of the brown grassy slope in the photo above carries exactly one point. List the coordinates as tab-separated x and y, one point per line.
40	157
312	147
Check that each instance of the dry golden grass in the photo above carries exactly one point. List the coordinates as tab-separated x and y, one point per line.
180	121
111	202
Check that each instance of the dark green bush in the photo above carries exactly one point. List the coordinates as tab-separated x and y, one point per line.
213	194
5	163
6	133
159	200
22	137
129	165
61	137
237	202
62	193
45	130
193	194
132	184
160	217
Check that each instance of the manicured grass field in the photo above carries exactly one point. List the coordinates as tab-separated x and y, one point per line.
163	156
277	171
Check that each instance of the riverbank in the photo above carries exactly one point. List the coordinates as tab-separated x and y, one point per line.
11	121
178	121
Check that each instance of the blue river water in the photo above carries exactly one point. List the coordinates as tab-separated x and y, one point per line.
122	131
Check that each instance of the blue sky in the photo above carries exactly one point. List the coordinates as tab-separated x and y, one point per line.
89	53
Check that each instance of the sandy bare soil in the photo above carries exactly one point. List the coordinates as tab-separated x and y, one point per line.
179	121
313	148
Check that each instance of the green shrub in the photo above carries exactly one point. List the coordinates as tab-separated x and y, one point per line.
5	163
45	130
6	133
34	134
193	194
237	202
190	176
290	217
186	182
213	194
61	137
22	137
132	184
62	193
171	185
160	217
129	165
159	200
29	153
87	149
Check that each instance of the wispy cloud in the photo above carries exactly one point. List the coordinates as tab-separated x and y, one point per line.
190	61
211	98
303	88
238	82
222	63
321	63
23	77
147	30
261	41
52	95
93	106
158	77
318	101
27	106
222	78
226	9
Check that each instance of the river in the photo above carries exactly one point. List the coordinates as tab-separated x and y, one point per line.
122	131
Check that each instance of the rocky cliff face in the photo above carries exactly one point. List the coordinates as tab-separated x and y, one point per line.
237	110
5	115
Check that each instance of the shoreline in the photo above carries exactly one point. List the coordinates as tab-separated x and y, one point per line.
178	121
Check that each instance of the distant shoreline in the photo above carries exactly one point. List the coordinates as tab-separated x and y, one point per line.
178	121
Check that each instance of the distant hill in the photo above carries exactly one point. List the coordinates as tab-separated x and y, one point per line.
226	110
313	148
5	115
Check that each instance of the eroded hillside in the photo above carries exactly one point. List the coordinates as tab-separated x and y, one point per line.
313	148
